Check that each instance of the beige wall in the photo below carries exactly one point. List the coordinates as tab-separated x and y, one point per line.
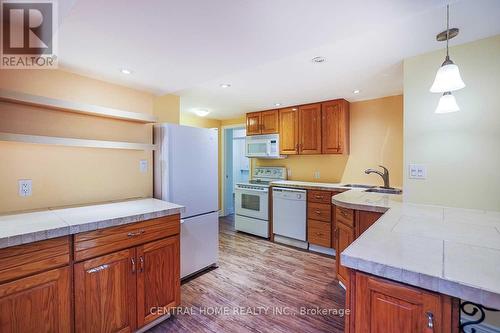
167	108
461	150
69	175
376	128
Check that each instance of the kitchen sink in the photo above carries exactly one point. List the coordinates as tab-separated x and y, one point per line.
359	186
385	190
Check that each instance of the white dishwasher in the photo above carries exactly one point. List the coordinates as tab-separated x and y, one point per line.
289	216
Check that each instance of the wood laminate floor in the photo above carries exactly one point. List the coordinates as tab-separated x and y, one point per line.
257	279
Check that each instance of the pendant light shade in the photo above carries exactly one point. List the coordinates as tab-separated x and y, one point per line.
447	104
448	75
447	78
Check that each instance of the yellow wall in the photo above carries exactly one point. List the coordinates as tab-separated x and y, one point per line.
461	149
167	108
376	128
69	175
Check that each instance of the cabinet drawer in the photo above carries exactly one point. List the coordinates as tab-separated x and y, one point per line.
319	233
28	259
319	196
94	243
344	215
318	211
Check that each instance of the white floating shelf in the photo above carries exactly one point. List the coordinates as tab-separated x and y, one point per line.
57	104
52	140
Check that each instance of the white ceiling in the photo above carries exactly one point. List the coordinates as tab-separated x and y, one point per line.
263	48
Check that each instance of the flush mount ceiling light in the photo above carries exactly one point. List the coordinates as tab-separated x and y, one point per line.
225	85
355	91
318	60
125	71
277	104
448	75
201	112
447	104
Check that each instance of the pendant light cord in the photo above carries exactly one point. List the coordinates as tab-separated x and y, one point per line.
447	30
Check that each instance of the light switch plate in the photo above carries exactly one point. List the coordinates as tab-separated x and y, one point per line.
289	173
25	187
417	171
143	166
316	175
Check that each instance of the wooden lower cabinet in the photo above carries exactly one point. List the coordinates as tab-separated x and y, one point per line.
105	293
364	220
158	283
38	303
383	306
122	291
344	237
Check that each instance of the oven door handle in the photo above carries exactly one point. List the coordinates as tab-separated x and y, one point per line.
250	191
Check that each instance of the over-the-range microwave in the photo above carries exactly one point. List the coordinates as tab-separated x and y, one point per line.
263	146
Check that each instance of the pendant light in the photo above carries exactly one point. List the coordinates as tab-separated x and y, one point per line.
448	75
447	104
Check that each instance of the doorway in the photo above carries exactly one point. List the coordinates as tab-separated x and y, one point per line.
236	166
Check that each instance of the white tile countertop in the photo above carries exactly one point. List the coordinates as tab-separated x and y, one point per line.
35	226
452	251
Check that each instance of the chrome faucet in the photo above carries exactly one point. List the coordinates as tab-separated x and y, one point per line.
384	175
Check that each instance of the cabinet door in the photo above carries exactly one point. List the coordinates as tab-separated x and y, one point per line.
345	236
158	279
289	131
335	125
105	293
253	123
269	121
364	220
383	306
39	303
310	129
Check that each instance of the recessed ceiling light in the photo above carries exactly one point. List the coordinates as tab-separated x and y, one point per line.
277	104
318	60
201	112
356	91
126	71
225	85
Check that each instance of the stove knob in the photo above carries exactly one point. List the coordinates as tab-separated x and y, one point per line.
299	196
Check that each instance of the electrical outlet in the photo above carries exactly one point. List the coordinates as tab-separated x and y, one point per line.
143	166
417	171
25	188
289	173
316	175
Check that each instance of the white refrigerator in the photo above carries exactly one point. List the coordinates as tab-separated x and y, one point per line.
186	173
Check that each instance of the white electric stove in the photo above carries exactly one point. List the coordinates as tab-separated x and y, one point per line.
252	201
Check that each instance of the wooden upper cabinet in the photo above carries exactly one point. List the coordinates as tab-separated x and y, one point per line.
158	278
383	306
269	122
38	303
254	123
265	122
335	125
289	131
105	293
310	129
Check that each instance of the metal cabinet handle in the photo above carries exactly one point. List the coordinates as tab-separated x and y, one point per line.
133	264
319	197
137	233
318	212
141	263
430	320
97	269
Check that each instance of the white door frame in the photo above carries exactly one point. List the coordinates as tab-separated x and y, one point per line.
223	164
